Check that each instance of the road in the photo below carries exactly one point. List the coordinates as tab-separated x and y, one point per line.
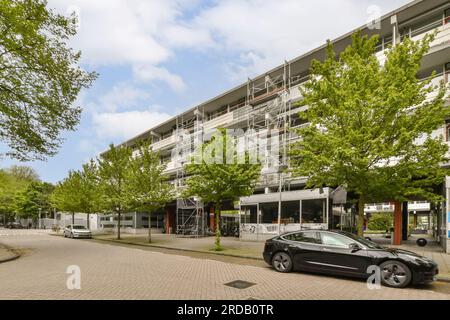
118	272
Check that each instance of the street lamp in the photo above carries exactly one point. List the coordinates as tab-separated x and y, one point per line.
281	168
40	218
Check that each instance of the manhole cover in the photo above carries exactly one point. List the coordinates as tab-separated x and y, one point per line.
240	284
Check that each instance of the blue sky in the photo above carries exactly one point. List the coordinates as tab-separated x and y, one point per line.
159	57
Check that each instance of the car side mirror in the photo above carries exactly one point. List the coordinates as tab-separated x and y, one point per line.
354	247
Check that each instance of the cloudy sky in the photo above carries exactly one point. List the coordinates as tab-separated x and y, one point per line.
159	57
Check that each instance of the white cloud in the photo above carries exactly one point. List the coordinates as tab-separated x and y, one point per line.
125	125
131	33
262	34
121	96
150	73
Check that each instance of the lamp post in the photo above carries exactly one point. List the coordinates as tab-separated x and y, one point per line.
281	169
39	224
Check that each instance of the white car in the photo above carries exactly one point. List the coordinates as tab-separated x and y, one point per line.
77	231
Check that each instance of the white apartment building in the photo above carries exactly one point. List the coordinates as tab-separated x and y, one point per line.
268	103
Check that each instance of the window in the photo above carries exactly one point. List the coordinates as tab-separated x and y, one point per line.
335	240
290	212
429	23
249	214
310	237
313	211
269	212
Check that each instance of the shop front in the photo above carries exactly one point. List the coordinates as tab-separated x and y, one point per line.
261	217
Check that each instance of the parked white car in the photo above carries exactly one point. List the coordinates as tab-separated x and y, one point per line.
77	231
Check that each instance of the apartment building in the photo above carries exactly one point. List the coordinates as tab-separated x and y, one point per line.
267	103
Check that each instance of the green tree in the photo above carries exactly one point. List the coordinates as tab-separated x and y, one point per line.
34	200
39	78
114	181
366	120
89	190
13	180
214	178
148	188
380	221
23	173
67	195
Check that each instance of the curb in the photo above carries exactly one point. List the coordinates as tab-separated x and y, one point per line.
439	279
11	258
182	249
443	279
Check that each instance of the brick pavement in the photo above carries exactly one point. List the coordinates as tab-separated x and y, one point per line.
116	272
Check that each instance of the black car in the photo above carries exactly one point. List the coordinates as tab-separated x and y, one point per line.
15	225
343	253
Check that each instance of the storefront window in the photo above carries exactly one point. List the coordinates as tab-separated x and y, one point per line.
269	212
249	214
290	212
313	211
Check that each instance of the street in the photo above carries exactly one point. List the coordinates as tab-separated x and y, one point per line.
119	272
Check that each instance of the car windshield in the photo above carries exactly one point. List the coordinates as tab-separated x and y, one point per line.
364	241
79	227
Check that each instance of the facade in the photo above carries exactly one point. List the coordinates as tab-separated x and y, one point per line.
267	105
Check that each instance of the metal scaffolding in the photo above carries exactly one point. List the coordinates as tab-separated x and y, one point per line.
266	108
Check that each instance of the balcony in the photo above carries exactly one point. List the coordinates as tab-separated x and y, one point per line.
163	143
218	121
442	38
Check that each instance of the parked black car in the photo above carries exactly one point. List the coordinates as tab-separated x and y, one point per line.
342	253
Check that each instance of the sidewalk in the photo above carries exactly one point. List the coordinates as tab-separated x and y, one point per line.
253	250
6	254
232	246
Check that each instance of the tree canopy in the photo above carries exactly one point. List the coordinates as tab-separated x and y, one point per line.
213	178
39	78
114	181
13	181
148	188
34	199
371	124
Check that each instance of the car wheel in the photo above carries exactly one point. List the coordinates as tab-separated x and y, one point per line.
71	235
64	234
395	274
282	262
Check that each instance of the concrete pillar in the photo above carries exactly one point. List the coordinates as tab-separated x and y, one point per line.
405	220
397	239
170	221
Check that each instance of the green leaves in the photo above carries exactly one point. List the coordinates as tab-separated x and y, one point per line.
13	183
215	181
79	192
114	179
39	78
367	121
149	189
35	199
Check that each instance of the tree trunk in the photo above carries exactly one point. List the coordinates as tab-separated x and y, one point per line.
361	204
218	246
150	227
73	218
88	222
118	225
